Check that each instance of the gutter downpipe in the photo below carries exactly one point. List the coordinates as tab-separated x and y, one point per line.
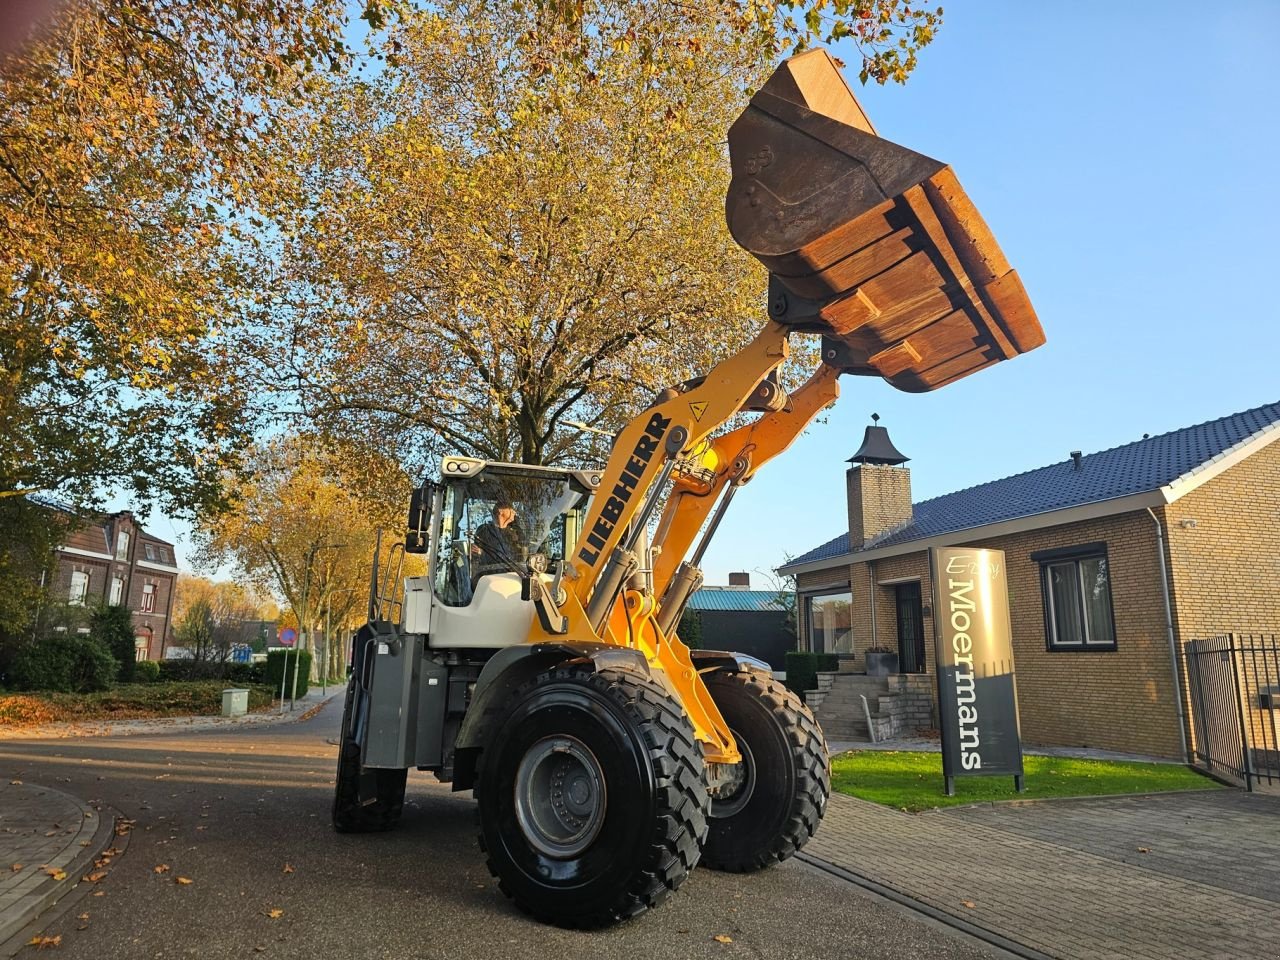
1173	647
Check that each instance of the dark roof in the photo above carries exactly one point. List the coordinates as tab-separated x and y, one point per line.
734	599
1137	467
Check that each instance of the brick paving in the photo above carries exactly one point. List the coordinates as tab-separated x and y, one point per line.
39	828
1061	878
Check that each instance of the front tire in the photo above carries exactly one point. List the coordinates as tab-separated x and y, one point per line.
365	799
592	797
784	779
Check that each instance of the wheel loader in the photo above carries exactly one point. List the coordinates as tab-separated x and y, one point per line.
537	663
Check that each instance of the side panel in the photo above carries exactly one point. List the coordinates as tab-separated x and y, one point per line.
393	702
495	617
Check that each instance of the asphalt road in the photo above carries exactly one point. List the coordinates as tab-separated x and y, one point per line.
243	813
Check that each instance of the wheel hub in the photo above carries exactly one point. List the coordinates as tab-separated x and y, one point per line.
560	796
738	782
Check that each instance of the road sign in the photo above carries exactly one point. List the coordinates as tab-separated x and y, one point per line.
288	637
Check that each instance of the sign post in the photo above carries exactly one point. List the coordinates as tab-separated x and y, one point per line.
977	696
286	638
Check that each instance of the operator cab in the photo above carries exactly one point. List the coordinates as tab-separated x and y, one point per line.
494	525
498	518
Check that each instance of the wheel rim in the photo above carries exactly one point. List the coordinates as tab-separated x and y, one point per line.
560	796
737	793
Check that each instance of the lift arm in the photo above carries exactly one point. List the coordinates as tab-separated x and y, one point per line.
726	464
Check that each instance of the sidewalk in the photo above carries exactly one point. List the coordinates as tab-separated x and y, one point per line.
49	842
124	728
1170	876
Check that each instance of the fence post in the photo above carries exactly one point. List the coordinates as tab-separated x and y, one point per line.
1244	731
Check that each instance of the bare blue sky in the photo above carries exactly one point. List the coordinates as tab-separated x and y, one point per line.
1124	155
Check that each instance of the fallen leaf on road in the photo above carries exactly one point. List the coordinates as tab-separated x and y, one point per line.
968	903
42	942
721	938
99	893
15	783
1144	849
83	916
183	880
161	868
56	873
202	828
52	833
94	877
287	869
275	914
16	867
259	949
84	843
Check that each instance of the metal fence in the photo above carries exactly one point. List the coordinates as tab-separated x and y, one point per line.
1234	685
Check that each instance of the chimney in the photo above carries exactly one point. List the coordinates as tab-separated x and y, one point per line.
1075	459
879	488
740	580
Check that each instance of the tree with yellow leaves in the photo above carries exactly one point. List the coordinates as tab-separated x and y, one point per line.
302	529
515	226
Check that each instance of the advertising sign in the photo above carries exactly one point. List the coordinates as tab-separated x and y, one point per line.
977	697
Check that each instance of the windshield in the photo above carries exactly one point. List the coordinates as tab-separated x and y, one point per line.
493	522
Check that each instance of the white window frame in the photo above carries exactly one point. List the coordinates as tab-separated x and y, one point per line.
117	591
148	597
79	578
122	546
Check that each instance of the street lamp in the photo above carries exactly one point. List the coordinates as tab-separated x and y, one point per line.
306	596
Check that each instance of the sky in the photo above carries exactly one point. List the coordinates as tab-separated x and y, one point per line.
1124	157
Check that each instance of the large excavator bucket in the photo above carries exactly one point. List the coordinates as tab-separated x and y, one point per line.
870	243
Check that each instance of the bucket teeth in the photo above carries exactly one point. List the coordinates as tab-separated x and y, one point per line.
872	244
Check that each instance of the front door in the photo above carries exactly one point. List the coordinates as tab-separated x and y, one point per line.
910	627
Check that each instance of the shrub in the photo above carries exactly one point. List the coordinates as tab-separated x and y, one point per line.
113	627
147	671
690	629
802	669
66	662
274	672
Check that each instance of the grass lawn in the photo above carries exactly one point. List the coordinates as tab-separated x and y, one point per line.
913	781
129	701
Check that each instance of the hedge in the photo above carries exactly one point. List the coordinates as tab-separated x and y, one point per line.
274	672
187	670
802	669
65	662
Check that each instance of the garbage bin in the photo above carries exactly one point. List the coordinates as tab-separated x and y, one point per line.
235	703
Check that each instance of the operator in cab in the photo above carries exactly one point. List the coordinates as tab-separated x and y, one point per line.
499	541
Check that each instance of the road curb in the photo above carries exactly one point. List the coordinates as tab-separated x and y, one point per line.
989	937
37	908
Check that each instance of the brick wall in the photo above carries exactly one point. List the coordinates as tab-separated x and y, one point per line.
879	500
1224	560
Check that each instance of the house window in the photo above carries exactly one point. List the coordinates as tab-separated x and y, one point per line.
79	587
830	619
1076	586
140	647
122	546
117	591
148	597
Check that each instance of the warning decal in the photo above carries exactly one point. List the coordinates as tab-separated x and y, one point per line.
698	409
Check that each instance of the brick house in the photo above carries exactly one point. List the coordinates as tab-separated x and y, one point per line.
114	560
1097	548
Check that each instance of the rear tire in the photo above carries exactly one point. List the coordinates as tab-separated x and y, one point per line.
786	775
592	797
365	799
